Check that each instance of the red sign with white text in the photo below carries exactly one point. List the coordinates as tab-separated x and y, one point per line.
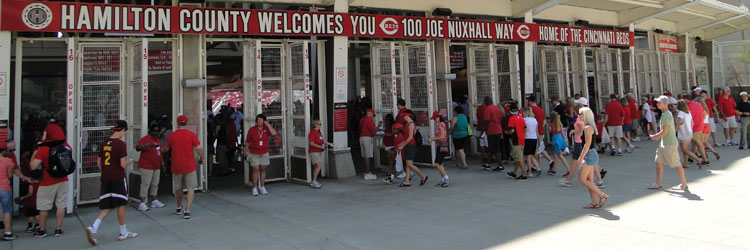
669	45
118	18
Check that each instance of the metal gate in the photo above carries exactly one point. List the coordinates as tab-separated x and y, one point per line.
578	74
607	75
647	67
678	73
272	103
299	81
626	72
552	74
507	72
480	74
386	74
100	82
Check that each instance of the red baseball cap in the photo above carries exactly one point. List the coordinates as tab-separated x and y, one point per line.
435	114
182	119
398	126
54	132
371	111
612	96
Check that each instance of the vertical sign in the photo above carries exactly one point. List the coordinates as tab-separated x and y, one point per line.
144	78
430	98
394	86
339	87
518	74
567	72
258	80
493	72
70	120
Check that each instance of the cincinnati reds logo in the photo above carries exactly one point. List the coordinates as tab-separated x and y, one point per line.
37	16
389	26
523	31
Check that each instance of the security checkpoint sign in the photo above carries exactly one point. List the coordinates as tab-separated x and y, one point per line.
118	18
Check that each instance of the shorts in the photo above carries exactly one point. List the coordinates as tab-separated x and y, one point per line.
685	141
518	153
149	182
459	143
316	157
712	123
614	131
668	155
482	141
114	194
440	157
530	147
410	152
365	147
493	143
47	195
30	211
259	159
185	181
577	150
706	129
698	136
592	158
626	128
634	123
730	123
6	199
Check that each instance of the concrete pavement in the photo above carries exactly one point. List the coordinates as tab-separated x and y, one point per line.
480	210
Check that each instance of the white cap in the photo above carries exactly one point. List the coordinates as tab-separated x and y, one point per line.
743	93
698	89
662	98
672	100
582	101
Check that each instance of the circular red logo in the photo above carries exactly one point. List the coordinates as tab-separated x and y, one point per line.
524	32
389	26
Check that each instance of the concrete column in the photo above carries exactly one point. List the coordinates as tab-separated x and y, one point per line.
340	158
633	82
192	101
528	60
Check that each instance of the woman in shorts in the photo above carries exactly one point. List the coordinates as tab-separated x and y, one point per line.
441	139
315	150
388	145
258	148
531	140
589	159
706	128
459	134
685	133
409	147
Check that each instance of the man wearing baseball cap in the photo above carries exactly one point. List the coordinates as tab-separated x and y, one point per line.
112	162
728	112
51	189
648	115
583	101
743	110
184	143
667	153
614	115
367	130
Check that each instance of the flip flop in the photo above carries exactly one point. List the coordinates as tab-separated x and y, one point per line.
404	185
421	183
590	206
602	201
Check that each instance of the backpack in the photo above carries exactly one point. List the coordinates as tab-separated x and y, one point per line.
60	160
418	138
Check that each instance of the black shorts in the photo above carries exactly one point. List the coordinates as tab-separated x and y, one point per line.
440	157
529	147
30	211
577	150
410	152
458	143
493	143
114	194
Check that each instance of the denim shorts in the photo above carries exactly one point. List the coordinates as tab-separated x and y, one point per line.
592	158
6	198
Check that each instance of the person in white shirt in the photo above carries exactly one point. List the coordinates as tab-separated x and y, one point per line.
647	114
685	132
531	140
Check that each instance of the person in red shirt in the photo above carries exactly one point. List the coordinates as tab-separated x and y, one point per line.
401	105
150	165
389	143
515	130
51	190
315	150
480	131
727	115
367	130
492	122
635	117
409	148
614	115
711	110
112	162
627	124
256	149
184	143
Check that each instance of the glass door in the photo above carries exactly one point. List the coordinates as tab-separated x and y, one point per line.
298	78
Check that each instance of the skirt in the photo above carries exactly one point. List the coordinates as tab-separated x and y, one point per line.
559	143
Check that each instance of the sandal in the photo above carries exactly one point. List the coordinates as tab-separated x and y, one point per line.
654	186
590	206
602	201
404	185
421	183
717	156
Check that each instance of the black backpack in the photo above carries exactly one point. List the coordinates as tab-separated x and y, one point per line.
60	160
418	138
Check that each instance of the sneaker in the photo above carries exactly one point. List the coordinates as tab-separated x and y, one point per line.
130	235
603	173
510	175
530	175
315	185
498	169
30	229
58	232
40	233
255	191
552	173
143	207
485	165
612	153
388	180
373	177
446	182
186	215
91	235
552	163
564	182
566	175
440	184
263	190
401	175
600	184
636	139
680	187
717	145
535	170
522	178
157	204
178	211
619	153
654	186
9	236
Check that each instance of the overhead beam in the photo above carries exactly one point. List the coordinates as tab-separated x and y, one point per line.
697	13
520	7
726	17
642	14
719	32
724	6
656	5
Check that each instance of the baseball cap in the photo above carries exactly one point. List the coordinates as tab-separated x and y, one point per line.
398	126
54	132
182	119
435	114
531	98
662	98
612	96
120	125
698	89
743	93
583	101
371	111
644	98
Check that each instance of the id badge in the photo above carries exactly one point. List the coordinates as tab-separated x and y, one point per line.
158	150
260	143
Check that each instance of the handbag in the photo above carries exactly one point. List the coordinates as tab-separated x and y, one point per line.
468	130
399	163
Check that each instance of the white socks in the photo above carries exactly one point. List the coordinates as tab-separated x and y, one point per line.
123	230
97	222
